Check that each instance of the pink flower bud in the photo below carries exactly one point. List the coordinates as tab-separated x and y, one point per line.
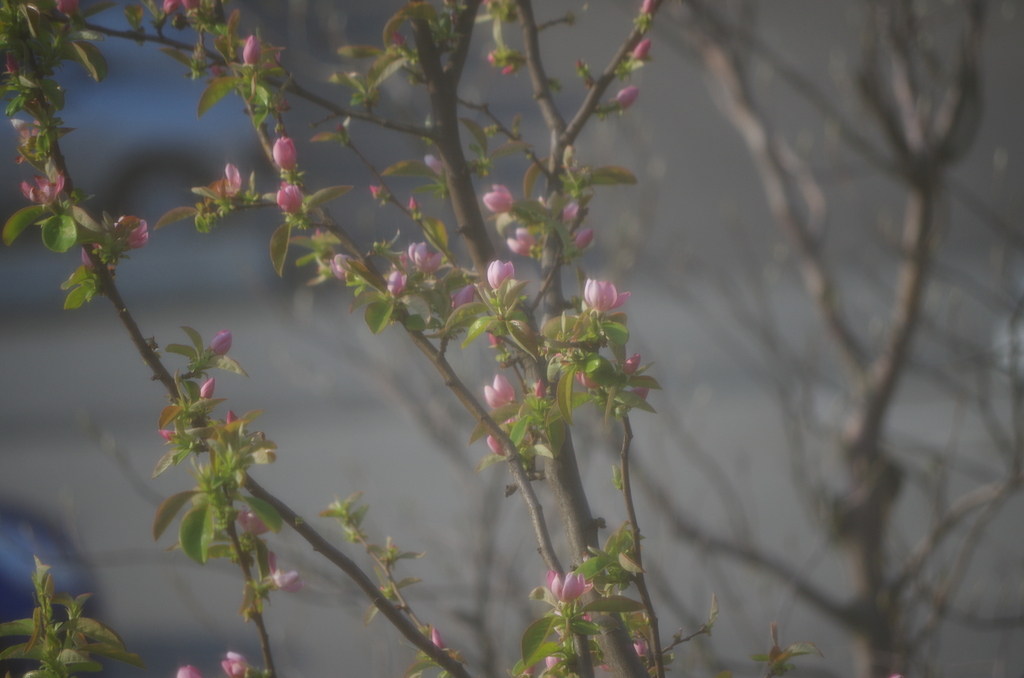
396	282
586	381
570	211
234	665
436	639
433	163
584	237
602	296
642	392
232	180
171	6
339	266
284	153
632	362
191	4
251	523
67	6
626	96
499	199
501	393
221	342
45	191
538	389
139	236
251	56
647	7
206	390
522	243
166	434
289	198
189	671
463	295
498	272
495	446
642	49
425	260
231	417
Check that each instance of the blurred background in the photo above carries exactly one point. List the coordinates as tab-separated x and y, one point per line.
754	398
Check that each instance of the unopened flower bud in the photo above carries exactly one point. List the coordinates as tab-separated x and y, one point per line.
206	390
627	95
221	342
251	56
284	153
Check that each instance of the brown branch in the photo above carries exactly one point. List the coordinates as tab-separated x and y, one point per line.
404	625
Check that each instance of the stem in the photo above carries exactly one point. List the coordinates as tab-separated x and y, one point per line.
641	582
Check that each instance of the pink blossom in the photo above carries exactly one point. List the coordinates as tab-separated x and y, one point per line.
569	588
647	7
570	211
231	417
189	671
206	390
522	243
289	198
232	180
436	639
45	191
67	6
586	381
433	163
584	237
221	342
463	295
495	446
501	393
627	95
339	266
632	362
251	523
602	296
191	4
642	392
642	49
284	153
234	665
425	260
139	236
396	282
498	272
251	56
499	199
171	6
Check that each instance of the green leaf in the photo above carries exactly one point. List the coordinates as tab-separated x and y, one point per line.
168	509
19	221
227	364
533	646
616	332
196	532
378	315
279	247
563	395
90	57
410	168
114	653
267	513
176	214
325	194
95	630
359	51
614	604
215	91
436	233
611	174
60	233
478	133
